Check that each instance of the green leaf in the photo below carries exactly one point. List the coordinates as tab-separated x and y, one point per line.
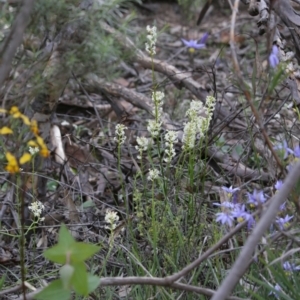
239	149
58	254
79	252
65	237
93	282
61	252
54	290
52	185
88	204
79	279
2	281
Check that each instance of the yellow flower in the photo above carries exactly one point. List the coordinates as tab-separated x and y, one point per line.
12	166
5	130
40	141
44	152
3	111
34	127
26	157
43	148
14	111
25	120
32	143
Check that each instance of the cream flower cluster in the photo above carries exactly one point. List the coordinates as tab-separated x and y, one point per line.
153	174
154	126
112	218
36	208
199	119
170	140
157	98
142	145
33	150
152	38
120	134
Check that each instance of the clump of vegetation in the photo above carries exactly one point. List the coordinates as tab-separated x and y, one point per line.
154	207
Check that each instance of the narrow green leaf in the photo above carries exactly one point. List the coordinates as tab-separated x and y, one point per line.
276	80
254	73
79	279
54	290
2	281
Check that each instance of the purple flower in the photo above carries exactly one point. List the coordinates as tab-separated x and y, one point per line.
257	198
284	146
196	44
282	206
277	289
290	267
230	190
225	218
297	151
241	214
278	184
284	222
225	204
273	58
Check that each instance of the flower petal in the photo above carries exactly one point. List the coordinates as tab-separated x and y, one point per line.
26	157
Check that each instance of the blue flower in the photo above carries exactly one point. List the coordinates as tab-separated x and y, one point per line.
297	151
230	190
277	289
273	58
231	193
282	206
290	267
240	213
284	146
196	44
257	198
225	218
284	222
225	204
278	184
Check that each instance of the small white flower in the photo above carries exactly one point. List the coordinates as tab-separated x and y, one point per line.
111	218
33	150
199	120
154	128
120	134
142	143
153	174
37	208
157	98
189	135
170	139
152	38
